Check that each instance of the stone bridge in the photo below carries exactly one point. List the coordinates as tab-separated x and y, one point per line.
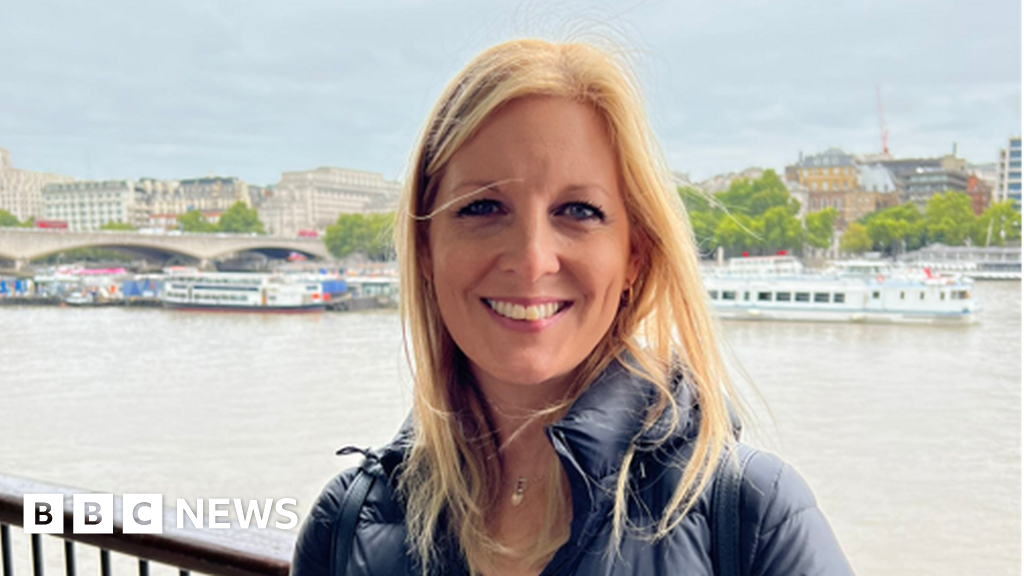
22	245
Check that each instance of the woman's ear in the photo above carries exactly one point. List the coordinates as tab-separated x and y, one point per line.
639	246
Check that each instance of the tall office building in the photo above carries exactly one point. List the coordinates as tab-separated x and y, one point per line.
1008	176
89	205
313	199
21	190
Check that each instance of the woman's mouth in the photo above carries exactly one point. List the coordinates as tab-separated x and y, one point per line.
523	312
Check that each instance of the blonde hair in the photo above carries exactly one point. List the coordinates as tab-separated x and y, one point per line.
452	473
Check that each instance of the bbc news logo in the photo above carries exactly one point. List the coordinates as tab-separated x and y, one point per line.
144	513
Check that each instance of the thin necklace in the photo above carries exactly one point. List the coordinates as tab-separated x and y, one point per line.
517	495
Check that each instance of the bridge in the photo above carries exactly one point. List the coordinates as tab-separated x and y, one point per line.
22	245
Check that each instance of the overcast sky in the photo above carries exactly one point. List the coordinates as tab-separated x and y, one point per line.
184	88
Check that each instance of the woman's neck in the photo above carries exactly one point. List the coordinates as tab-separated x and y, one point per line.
519	412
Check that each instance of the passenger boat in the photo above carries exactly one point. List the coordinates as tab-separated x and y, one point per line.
240	292
778	288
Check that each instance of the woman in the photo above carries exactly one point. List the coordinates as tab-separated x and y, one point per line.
570	404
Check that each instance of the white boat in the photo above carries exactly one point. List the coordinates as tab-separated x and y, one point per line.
979	263
777	288
230	291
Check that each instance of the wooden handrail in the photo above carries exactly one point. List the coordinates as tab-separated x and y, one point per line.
228	552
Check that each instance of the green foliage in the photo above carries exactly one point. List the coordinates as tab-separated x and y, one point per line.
855	239
194	221
949	218
896	227
780	229
369	234
998	224
8	220
735	233
751	216
240	219
821	227
122	226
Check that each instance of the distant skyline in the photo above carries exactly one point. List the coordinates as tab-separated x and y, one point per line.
126	89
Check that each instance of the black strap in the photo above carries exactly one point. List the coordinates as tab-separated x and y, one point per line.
348	516
725	513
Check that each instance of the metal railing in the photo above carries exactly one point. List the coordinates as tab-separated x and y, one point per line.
228	552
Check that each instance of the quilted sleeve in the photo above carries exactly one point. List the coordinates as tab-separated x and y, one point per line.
312	556
792	536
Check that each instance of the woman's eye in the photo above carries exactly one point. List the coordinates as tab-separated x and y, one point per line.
480	208
582	211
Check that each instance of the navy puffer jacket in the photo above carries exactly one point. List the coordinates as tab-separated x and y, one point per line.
783	533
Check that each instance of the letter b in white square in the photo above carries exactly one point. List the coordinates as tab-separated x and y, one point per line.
43	513
142	514
93	514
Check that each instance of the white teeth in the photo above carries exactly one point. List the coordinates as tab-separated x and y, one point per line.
520	312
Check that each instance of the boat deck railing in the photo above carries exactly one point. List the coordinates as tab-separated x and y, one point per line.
228	552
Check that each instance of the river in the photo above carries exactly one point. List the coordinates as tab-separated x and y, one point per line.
909	435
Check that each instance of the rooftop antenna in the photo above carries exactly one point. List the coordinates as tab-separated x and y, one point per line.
881	122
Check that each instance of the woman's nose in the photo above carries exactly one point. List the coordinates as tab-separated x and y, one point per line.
532	250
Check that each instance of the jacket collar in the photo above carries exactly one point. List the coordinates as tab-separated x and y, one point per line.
599	427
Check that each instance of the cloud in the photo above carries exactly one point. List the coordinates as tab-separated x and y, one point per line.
125	89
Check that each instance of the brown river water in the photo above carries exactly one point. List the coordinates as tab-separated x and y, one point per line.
909	435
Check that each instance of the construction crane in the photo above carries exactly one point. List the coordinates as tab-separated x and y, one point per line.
881	123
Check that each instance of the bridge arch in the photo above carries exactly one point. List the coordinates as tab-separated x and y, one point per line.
135	247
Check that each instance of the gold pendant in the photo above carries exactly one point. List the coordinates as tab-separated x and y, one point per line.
517	496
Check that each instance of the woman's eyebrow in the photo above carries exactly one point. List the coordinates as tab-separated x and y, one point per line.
478	186
589	186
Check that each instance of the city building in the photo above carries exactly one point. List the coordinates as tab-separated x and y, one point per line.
924	183
829	171
801	194
21	191
88	205
166	200
313	199
721	182
1008	177
980	192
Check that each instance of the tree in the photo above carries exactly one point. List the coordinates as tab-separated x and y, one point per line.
381	245
8	220
896	227
368	234
820	227
999	223
735	233
123	226
949	218
240	219
780	229
855	240
194	221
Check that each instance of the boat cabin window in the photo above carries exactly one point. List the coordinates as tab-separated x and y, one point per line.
803	296
942	295
764	296
713	294
746	295
821	297
783	296
839	298
922	295
903	295
876	295
728	295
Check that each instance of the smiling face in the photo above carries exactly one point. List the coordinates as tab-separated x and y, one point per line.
529	271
